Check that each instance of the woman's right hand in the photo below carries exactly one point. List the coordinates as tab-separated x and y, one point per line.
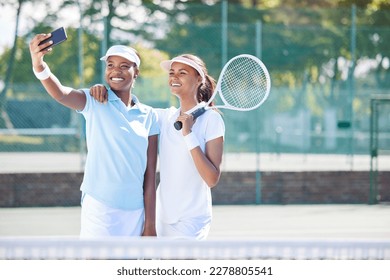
187	121
99	92
37	51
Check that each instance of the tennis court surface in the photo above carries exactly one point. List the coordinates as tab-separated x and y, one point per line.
329	231
247	231
235	221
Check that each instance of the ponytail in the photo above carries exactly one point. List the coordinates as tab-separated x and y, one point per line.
205	91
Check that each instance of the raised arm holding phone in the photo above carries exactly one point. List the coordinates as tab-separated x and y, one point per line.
119	184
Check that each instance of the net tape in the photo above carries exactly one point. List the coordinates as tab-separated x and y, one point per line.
152	248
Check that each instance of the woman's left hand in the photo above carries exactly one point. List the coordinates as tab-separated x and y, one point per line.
99	92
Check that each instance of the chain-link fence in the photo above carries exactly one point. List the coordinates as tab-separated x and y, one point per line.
322	81
325	65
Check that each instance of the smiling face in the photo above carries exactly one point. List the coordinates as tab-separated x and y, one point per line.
183	80
120	73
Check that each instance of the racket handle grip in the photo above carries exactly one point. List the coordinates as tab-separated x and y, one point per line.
195	114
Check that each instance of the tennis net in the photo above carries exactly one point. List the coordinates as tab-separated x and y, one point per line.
73	248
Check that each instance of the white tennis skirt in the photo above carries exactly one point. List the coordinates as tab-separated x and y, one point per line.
100	220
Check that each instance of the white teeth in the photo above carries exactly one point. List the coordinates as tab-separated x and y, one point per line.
175	85
117	79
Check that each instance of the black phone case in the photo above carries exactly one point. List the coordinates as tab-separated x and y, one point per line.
57	36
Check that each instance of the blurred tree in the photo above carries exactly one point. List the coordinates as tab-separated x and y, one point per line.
121	21
302	41
295	51
4	119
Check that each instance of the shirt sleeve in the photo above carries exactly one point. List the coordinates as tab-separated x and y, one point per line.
215	126
164	115
87	102
155	127
160	115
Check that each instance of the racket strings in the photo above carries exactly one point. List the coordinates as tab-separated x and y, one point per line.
245	83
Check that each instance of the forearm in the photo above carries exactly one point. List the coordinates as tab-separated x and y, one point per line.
207	170
51	83
150	207
207	163
150	188
54	87
71	98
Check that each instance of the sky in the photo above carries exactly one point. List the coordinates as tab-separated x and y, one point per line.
8	16
7	26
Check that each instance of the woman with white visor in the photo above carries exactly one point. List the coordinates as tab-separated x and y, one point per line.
190	158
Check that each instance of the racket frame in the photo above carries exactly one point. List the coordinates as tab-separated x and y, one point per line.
199	111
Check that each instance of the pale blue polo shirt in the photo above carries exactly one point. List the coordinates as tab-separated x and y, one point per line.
117	142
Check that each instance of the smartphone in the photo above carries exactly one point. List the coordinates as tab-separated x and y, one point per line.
57	36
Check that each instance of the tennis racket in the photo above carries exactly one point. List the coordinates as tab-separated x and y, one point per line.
243	85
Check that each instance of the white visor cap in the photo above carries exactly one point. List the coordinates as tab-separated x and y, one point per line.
166	65
123	51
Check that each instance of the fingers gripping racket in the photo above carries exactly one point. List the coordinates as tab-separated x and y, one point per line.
243	85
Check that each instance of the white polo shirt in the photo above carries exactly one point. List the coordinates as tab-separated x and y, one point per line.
117	142
182	193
